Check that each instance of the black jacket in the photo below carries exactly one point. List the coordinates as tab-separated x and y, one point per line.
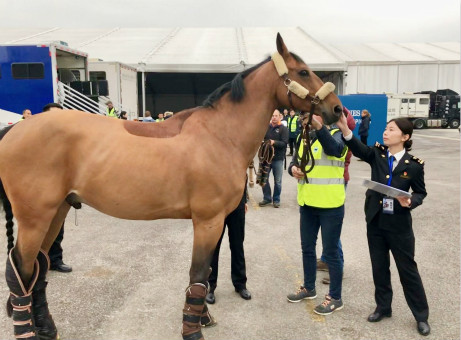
409	173
364	126
279	134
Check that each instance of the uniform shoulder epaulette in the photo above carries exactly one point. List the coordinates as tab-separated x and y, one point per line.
417	160
381	147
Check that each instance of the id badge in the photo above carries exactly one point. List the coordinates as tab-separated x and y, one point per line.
388	205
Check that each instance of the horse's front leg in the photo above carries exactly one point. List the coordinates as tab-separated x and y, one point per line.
195	313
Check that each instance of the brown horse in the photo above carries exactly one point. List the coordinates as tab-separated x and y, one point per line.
199	157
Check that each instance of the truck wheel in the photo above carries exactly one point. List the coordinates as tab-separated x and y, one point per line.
419	124
454	124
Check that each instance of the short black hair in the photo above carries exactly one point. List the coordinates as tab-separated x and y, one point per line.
47	107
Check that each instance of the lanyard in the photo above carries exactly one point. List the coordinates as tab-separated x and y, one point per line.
390	161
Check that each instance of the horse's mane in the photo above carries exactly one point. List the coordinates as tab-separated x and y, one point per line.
235	86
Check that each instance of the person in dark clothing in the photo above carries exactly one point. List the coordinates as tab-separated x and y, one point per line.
364	126
277	133
55	252
389	222
235	223
293	130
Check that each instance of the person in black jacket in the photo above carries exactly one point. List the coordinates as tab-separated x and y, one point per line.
364	126
235	223
389	223
277	133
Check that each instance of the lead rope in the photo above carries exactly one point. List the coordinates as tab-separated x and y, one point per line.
265	155
307	150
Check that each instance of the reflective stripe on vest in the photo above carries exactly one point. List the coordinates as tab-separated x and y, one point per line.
293	123
326	180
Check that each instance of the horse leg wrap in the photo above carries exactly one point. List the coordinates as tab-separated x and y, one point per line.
206	319
192	312
20	300
44	324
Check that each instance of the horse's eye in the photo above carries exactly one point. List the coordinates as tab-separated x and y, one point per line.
304	73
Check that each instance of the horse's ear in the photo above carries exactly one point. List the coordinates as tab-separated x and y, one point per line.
281	48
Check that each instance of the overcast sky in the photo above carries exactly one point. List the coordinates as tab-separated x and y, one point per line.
332	21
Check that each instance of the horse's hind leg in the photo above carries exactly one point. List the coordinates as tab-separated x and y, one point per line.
195	313
44	324
26	270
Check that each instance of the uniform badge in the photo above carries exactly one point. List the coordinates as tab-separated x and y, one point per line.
404	175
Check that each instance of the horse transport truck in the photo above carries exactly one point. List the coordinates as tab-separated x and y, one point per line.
31	76
426	108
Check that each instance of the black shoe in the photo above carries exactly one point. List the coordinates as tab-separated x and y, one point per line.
244	293
378	316
210	298
263	203
61	267
423	327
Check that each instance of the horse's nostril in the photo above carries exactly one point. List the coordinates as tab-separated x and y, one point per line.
338	109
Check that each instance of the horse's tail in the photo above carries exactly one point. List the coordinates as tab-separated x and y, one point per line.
6	203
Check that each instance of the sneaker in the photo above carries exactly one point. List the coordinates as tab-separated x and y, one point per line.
302	294
263	203
322	266
276	204
329	306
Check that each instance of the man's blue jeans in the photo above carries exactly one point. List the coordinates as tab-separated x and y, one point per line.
331	221
277	169
341	255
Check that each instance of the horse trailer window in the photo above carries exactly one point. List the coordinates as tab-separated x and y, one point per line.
76	74
412	100
404	100
97	75
28	70
424	101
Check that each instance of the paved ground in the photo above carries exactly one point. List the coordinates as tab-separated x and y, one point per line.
129	277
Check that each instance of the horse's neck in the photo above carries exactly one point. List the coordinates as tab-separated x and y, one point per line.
248	120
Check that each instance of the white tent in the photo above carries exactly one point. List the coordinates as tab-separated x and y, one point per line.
359	68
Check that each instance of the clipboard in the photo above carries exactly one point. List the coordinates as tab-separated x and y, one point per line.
385	189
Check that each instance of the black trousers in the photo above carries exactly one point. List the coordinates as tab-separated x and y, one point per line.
363	139
55	252
235	223
291	142
402	246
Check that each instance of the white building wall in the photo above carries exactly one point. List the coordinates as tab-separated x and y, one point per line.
418	77
399	78
450	77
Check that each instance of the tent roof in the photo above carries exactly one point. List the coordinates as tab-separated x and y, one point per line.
224	49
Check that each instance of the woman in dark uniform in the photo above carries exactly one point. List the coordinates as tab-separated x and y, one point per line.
389	223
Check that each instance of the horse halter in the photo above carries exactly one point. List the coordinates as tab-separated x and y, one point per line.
297	88
302	92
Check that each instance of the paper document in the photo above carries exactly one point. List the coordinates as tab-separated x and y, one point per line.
385	189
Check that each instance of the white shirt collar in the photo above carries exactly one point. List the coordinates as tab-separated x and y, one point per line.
398	156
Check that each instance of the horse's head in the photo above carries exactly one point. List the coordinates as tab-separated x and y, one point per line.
300	88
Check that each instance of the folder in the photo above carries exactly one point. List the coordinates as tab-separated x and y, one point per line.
385	189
